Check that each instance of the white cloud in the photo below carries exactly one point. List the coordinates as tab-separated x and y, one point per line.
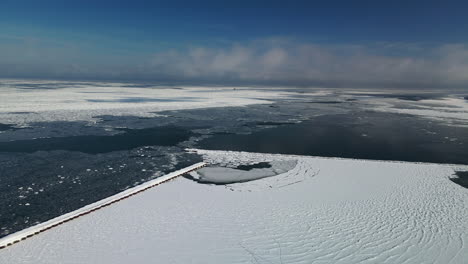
268	61
302	63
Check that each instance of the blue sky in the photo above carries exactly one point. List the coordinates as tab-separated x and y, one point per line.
297	42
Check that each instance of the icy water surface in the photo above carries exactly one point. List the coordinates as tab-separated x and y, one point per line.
131	138
362	135
4	127
35	187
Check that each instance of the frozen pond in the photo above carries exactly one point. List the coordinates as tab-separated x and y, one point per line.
242	173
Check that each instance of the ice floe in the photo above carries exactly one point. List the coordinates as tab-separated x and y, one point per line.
450	110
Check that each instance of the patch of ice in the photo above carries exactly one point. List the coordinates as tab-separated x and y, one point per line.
223	175
453	111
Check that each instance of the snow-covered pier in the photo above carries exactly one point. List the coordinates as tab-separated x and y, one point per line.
34	230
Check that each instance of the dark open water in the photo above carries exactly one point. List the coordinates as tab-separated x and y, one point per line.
367	135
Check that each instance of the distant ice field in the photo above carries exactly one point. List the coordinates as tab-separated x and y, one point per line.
64	144
67	101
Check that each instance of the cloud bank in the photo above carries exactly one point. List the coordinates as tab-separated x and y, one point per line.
310	64
271	62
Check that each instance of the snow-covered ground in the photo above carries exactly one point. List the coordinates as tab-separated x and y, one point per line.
324	210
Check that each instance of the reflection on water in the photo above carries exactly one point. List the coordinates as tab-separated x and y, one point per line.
363	135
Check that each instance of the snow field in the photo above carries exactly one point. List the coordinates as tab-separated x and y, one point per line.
324	210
